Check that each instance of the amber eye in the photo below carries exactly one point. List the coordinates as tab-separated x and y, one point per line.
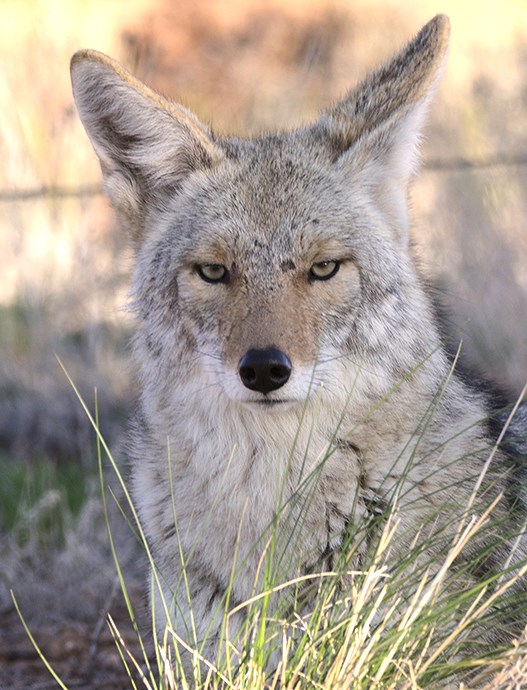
324	270
212	273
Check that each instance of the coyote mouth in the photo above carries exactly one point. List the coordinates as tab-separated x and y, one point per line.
265	402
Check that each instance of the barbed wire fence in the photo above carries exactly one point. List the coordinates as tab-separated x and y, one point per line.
434	165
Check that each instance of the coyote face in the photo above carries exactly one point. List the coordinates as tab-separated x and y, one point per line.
266	274
267	260
283	331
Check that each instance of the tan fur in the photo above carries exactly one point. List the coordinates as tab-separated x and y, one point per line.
369	412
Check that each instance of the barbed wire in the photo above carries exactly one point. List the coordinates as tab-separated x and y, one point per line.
51	192
462	164
433	165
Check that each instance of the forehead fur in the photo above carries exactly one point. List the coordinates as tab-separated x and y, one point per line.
263	188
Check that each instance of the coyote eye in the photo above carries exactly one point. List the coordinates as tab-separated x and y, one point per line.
324	270
212	273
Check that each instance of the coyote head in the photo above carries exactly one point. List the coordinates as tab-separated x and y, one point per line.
263	262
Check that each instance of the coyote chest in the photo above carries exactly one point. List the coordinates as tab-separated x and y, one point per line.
228	499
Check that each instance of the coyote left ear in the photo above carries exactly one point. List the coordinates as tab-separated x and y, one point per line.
146	144
376	128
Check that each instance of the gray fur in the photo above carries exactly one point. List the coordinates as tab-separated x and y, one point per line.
372	413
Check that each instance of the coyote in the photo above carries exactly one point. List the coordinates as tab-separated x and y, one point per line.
293	377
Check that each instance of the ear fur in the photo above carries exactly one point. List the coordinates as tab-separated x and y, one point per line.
376	127
146	144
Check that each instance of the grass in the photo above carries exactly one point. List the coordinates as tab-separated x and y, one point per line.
355	636
404	625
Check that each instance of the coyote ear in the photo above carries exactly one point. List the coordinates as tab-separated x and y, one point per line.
376	128
146	144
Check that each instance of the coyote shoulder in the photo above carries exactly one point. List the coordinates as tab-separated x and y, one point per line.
293	379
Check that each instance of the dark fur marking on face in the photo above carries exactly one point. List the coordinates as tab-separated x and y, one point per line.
287	265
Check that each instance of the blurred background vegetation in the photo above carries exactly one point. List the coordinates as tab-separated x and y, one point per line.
244	66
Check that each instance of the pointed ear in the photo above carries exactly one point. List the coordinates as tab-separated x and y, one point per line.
376	128
146	144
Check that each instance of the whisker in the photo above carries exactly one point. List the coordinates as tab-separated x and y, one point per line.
214	356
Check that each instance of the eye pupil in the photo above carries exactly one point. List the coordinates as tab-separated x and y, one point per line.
212	273
324	270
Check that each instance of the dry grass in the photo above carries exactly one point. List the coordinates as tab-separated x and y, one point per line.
390	625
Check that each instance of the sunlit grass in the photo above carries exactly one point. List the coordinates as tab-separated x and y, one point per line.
372	633
403	625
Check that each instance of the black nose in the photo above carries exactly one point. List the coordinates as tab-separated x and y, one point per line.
264	370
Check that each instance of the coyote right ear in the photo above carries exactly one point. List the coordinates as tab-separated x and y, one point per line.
377	126
146	144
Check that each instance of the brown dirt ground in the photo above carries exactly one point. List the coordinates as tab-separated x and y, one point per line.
83	655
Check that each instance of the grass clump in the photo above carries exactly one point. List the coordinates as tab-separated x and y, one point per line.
391	624
363	630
